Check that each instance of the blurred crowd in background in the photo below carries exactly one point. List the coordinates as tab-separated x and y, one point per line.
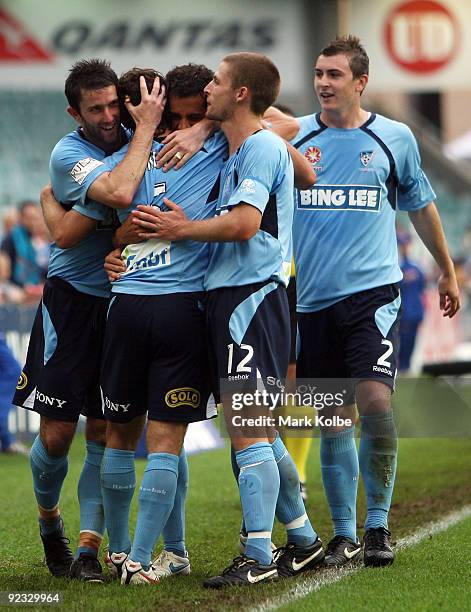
24	254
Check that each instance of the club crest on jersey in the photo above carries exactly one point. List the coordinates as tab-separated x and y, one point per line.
366	157
247	186
313	154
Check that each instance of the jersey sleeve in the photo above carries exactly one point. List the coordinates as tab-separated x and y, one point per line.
89	207
92	209
72	170
256	173
414	189
216	143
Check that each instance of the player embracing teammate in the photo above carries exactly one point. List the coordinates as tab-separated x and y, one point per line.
348	309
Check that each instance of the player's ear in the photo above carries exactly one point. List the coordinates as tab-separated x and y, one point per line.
362	82
74	114
242	94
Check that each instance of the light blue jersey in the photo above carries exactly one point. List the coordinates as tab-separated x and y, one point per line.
344	226
72	161
259	173
160	266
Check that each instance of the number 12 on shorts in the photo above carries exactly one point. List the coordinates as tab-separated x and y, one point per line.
242	365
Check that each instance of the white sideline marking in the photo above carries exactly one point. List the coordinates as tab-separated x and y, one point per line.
311	585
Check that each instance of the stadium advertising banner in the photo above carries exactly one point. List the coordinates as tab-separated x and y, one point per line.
40	40
415	45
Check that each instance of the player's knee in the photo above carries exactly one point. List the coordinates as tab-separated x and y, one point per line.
57	436
165	437
373	397
95	431
118	437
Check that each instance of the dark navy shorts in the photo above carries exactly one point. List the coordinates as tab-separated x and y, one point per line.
249	331
155	359
60	379
356	338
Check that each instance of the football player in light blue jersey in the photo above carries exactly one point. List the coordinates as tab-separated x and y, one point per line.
59	380
154	267
163	282
187	107
247	306
347	273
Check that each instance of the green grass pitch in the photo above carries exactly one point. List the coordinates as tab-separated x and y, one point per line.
433	479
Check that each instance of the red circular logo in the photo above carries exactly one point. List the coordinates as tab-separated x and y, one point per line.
313	154
421	36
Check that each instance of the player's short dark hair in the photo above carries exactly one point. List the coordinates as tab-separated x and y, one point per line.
350	46
88	74
259	74
188	80
128	85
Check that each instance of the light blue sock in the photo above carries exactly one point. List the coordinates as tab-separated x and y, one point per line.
174	530
48	476
259	484
339	464
118	481
156	499
290	508
92	517
378	462
236	472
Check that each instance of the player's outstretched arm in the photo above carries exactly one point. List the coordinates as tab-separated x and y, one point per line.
284	125
238	225
181	145
117	188
67	227
304	175
287	127
429	227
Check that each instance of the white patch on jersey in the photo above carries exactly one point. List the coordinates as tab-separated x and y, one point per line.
247	186
83	168
160	188
146	255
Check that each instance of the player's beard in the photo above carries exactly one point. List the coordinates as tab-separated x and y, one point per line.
107	140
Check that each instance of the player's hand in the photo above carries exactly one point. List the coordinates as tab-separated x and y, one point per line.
127	233
151	107
180	146
449	295
154	223
114	265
